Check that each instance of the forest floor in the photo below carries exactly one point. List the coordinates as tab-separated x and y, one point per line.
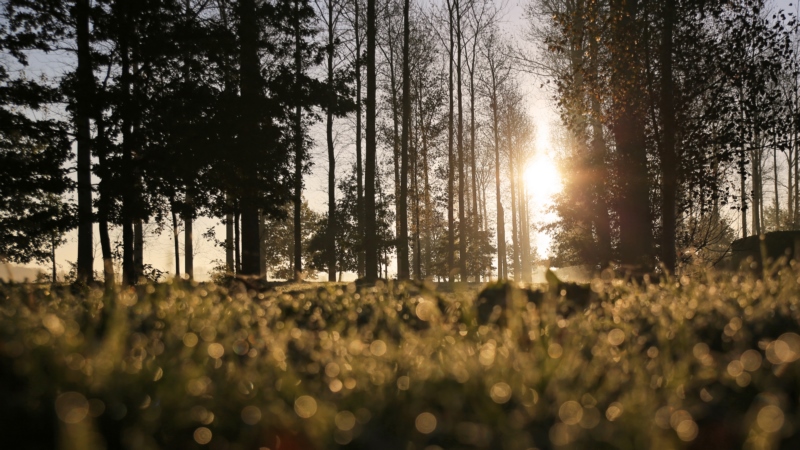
704	362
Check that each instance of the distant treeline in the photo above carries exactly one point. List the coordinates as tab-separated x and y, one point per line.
173	109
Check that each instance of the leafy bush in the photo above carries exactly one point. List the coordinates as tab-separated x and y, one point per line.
689	363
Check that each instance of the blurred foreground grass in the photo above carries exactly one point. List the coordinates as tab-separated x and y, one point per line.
688	363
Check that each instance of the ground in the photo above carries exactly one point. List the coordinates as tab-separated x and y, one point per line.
680	364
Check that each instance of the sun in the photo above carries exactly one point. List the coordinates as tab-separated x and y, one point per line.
542	180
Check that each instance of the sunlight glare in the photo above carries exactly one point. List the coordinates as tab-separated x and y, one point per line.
543	180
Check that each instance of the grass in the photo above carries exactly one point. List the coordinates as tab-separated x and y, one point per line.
707	362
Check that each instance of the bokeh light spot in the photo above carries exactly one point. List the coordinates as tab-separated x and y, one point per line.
251	415
345	420
500	392
72	407
216	350
614	411
305	406
377	348
202	435
616	337
570	412
190	339
425	423
770	418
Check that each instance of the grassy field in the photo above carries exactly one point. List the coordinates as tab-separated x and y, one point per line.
687	363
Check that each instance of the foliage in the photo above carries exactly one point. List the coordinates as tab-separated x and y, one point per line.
348	241
480	250
33	151
607	60
705	239
711	361
278	241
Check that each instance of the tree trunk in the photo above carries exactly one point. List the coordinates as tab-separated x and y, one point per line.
105	246
370	238
743	190
262	245
416	260
417	221
790	187
138	188
359	169
426	194
250	91
54	269
669	157
598	166
525	229
775	186
250	242
332	219
476	222
515	263
175	235
794	160
229	225
228	89
188	239
502	271
451	246
298	194
403	271
514	235
602	220
796	145
485	212
462	222
237	255
84	94
103	204
395	132
127	212
755	165
138	248
634	206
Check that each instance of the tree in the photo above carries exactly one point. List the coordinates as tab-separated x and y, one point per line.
370	229
267	99
83	109
462	180
358	60
403	270
338	104
480	15
669	167
627	126
493	80
451	242
32	174
348	239
252	92
658	119
34	147
279	242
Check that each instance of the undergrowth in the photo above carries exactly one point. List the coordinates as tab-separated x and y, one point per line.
706	362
